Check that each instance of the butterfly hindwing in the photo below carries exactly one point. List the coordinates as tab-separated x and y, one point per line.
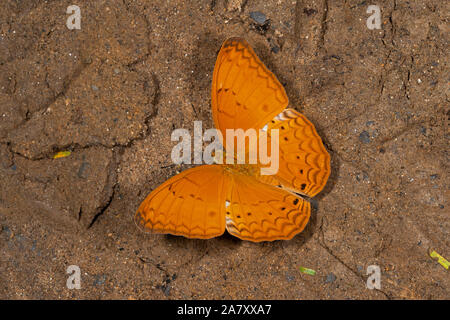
245	94
259	212
190	204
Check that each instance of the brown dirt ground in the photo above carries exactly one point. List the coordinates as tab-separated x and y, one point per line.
113	91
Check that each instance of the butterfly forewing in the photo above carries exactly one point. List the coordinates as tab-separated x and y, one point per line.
190	204
245	94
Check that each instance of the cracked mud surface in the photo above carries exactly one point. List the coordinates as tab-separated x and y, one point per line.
113	92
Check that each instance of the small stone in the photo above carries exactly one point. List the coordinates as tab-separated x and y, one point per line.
83	171
87	60
362	176
330	278
275	49
364	137
94	87
99	280
289	277
258	17
116	71
434	176
33	246
166	290
309	11
6	230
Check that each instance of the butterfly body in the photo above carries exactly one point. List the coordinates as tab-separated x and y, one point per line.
250	170
204	201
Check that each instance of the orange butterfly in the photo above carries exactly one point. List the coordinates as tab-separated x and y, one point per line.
202	201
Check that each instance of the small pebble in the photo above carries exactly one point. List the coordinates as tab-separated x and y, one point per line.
6	230
330	278
309	11
275	49
258	17
289	277
99	280
83	171
362	176
95	88
166	290
364	137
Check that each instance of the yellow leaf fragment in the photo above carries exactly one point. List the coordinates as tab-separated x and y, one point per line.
62	154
